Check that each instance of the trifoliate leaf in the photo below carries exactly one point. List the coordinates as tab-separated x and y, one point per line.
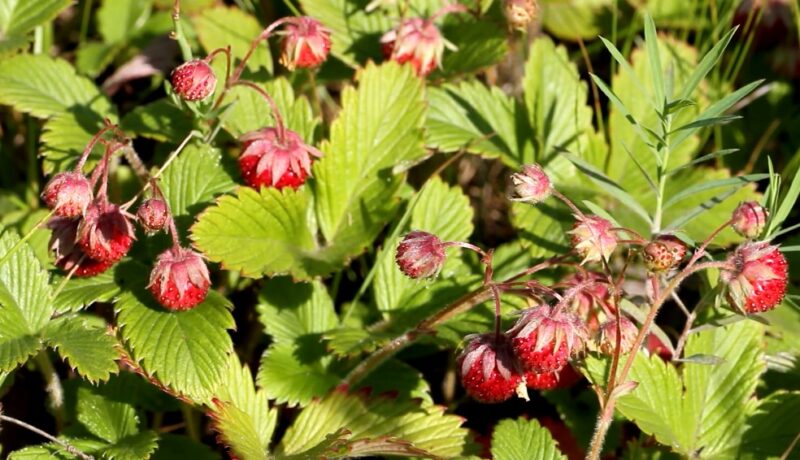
90	351
441	210
25	306
378	426
186	351
515	439
296	373
293	310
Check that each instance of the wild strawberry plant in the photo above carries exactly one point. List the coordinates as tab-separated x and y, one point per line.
395	228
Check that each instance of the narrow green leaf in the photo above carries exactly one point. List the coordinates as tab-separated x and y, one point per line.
706	64
737	181
713	121
701	159
624	110
624	65
89	350
610	187
690	214
517	439
654	56
786	206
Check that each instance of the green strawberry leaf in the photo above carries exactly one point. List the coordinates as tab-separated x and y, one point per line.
89	350
18	17
25	306
513	439
290	311
295	374
362	426
186	351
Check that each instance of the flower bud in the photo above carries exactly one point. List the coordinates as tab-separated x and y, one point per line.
153	214
194	80
420	255
749	219
179	280
269	161
417	41
520	13
306	43
607	340
593	238
531	185
68	194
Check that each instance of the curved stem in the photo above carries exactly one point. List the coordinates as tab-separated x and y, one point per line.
465	245
276	114
578	213
91	144
262	36
604	421
68	447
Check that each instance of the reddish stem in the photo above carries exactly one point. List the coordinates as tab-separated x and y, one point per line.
276	114
88	150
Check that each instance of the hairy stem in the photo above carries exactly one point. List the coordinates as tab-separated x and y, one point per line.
68	447
54	389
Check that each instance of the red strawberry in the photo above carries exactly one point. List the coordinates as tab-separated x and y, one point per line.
417	41
546	381
179	280
275	158
488	371
420	255
545	337
153	214
68	255
756	280
306	43
106	233
194	80
68	194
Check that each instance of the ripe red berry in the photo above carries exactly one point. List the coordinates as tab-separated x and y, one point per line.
592	238
544	338
105	233
179	280
153	214
420	255
607	339
756	280
306	43
545	381
532	185
749	219
194	80
417	41
267	160
68	194
488	371
69	256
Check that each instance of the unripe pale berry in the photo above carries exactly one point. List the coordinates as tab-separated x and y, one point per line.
106	233
664	253
749	219
593	238
179	280
194	80
487	368
306	43
153	214
416	41
607	339
756	279
420	255
531	185
267	160
68	194
520	13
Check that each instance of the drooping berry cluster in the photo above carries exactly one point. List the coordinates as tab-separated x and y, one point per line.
90	233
